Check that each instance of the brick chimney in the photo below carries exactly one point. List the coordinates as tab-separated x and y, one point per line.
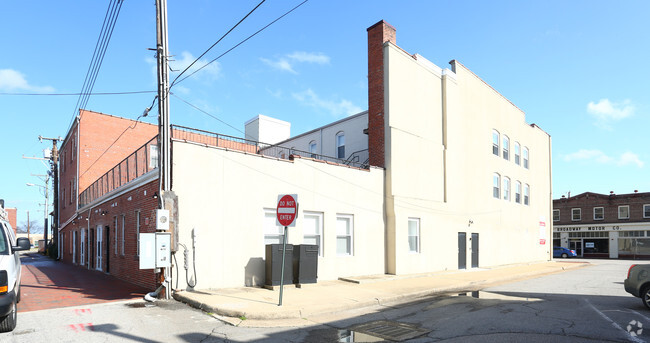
378	34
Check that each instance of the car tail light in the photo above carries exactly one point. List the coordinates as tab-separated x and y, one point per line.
573	251
4	285
630	270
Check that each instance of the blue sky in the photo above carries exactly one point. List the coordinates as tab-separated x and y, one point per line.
579	69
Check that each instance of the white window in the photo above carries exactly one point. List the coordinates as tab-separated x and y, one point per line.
344	234
414	235
114	234
525	157
506	188
312	149
496	182
599	213
506	148
153	156
556	215
646	211
495	142
82	246
526	194
624	212
340	145
517	154
313	230
576	214
273	234
518	192
137	233
122	235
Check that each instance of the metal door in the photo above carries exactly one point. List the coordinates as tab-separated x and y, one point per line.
108	249
474	250
462	250
576	244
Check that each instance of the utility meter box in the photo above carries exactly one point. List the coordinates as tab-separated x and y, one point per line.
155	250
162	220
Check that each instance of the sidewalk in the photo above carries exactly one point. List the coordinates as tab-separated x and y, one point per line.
251	306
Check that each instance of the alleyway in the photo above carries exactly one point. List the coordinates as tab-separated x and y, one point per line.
48	284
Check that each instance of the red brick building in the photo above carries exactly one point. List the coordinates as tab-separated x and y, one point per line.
604	225
12	217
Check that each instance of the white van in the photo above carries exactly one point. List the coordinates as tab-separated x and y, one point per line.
9	274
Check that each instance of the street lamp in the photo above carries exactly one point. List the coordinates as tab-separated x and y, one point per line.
46	229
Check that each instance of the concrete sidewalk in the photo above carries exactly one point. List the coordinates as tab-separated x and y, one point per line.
251	306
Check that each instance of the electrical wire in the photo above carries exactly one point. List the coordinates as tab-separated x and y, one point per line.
217	42
78	94
112	13
206	113
238	44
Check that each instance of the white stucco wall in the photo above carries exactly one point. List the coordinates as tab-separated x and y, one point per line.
222	196
440	164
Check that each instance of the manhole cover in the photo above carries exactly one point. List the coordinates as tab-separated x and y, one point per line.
393	331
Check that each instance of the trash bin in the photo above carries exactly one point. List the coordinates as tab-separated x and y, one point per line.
274	265
305	263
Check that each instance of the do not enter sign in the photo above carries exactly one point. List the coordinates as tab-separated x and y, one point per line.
287	209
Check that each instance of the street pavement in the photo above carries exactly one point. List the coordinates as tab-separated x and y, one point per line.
327	300
49	284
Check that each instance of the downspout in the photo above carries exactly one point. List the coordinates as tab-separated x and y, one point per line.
550	183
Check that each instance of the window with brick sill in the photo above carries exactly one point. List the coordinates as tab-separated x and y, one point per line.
624	212
599	213
576	214
646	211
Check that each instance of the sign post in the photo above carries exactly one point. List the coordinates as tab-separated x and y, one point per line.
286	213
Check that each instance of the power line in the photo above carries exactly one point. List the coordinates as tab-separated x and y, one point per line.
77	94
206	113
240	43
112	12
217	42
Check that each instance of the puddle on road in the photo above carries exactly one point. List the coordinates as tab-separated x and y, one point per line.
353	336
494	296
141	305
380	331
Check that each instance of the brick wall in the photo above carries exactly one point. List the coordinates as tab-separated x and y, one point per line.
12	214
378	34
125	264
587	201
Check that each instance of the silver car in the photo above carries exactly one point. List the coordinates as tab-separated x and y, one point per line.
638	282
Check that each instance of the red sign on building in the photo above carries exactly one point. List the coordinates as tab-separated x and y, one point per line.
287	209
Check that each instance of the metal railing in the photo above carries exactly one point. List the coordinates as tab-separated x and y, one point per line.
133	166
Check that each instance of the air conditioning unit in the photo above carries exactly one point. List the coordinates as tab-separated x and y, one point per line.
162	220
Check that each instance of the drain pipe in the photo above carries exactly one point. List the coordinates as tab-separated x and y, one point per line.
153	296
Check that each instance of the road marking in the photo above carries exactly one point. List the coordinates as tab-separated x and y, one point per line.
632	338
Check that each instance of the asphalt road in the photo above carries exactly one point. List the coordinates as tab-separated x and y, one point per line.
582	305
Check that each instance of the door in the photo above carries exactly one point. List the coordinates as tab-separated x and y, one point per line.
474	250
98	248
91	248
576	244
82	247
74	247
108	249
462	250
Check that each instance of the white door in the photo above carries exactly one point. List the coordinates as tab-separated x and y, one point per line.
74	246
82	246
99	236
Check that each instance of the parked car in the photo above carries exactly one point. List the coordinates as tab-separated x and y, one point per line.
638	282
9	275
563	252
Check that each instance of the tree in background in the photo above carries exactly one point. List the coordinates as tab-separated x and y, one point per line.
34	227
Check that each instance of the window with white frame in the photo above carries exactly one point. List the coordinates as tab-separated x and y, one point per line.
556	215
624	212
313	229
114	234
312	149
414	235
646	211
506	188
82	248
496	182
599	213
137	233
273	233
526	194
495	142
517	153
340	145
576	214
525	157
506	148
122	235
344	234
518	192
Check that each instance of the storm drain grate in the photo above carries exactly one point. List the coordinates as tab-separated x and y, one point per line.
393	331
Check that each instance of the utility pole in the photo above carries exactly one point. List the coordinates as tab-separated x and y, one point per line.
163	95
54	159
46	179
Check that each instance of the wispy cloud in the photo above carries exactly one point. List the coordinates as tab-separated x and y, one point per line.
626	158
13	80
287	62
336	108
606	111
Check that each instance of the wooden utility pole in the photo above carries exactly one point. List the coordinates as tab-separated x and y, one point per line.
54	159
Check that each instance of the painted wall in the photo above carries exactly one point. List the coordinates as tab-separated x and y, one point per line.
227	217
